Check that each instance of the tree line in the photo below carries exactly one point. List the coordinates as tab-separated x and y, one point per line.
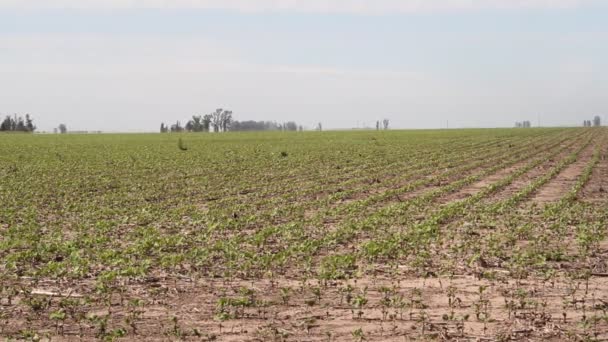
222	121
597	121
17	124
251	125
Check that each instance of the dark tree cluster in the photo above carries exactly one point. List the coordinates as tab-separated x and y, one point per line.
250	125
17	124
597	122
218	121
199	123
383	125
222	121
523	124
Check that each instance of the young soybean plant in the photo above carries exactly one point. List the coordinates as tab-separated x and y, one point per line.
358	335
359	303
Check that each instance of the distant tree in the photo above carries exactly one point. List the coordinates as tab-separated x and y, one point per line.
377	125
206	122
197	123
247	126
6	124
300	128
226	120
14	123
29	123
189	126
17	124
251	125
20	126
319	127
63	129
523	124
290	126
385	123
597	121
216	119
177	127
222	121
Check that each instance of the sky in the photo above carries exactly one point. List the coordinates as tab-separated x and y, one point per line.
128	65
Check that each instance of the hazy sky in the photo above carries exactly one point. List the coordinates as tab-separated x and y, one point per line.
127	65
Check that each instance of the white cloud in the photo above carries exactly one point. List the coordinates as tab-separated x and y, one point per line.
313	6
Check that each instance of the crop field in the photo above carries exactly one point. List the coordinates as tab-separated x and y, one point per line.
487	234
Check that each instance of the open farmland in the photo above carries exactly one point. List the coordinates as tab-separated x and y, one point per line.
491	234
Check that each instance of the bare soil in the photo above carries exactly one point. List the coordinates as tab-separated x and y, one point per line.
555	189
528	178
596	189
431	311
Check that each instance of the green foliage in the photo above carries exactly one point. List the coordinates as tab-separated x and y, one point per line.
337	267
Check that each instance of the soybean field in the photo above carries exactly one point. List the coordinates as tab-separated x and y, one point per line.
463	234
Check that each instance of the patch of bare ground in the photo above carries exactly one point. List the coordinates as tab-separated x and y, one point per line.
444	198
474	188
596	190
385	185
556	188
385	308
382	186
527	178
332	223
406	195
